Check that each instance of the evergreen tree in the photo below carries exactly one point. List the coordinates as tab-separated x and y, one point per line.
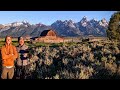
113	31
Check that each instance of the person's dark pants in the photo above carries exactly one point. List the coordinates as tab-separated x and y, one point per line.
18	71
21	72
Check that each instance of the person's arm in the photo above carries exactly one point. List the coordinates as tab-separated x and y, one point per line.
15	53
26	52
4	55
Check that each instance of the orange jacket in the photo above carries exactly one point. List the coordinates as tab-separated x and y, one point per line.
9	54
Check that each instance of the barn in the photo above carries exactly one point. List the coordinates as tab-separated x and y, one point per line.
49	36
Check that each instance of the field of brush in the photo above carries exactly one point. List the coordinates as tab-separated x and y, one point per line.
73	60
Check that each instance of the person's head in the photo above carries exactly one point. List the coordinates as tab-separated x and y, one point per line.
8	40
21	41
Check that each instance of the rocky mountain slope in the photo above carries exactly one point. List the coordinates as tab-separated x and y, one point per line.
63	28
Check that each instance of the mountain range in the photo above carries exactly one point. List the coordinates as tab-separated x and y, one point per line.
84	27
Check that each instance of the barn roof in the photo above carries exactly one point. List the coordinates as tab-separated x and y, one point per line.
44	33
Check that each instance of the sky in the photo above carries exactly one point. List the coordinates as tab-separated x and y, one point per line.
48	17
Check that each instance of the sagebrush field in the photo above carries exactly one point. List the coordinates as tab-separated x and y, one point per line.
74	60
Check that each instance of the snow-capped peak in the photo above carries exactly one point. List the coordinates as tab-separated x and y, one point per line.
24	21
104	20
84	19
71	21
40	24
94	19
14	24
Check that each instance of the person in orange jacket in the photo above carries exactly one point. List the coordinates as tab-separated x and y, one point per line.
9	55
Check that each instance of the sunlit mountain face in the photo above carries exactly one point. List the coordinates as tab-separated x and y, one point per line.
63	28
